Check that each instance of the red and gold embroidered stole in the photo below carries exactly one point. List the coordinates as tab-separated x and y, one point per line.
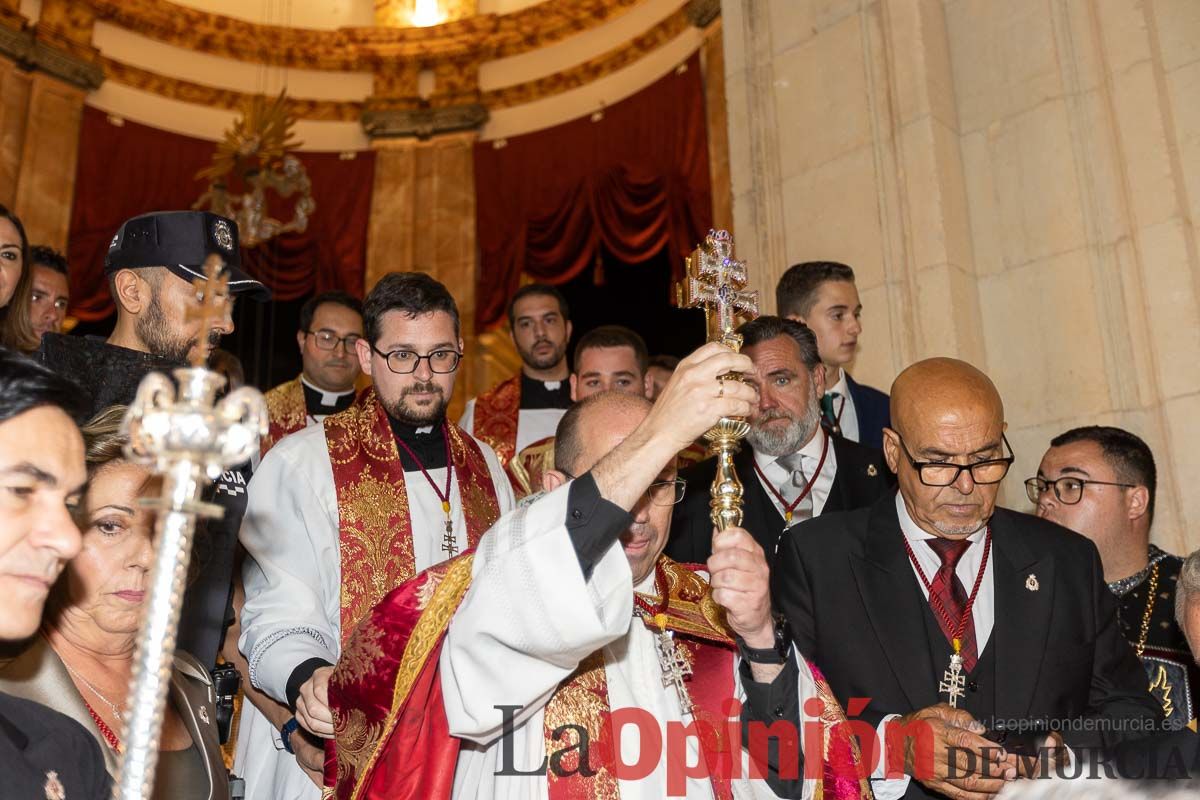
525	471
286	410
392	737
707	644
497	412
375	527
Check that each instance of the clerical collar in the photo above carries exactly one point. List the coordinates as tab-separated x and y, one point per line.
544	394
841	387
325	398
915	533
426	441
1126	585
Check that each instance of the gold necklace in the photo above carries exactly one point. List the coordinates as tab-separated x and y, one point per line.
1141	643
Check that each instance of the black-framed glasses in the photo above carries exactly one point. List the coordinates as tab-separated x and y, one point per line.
1068	490
328	340
661	493
405	362
944	473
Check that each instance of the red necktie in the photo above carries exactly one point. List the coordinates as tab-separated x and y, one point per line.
949	590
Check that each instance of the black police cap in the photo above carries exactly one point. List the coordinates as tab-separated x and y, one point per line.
180	241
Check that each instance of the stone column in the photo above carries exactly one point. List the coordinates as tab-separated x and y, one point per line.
46	186
1015	184
423	218
45	73
14	103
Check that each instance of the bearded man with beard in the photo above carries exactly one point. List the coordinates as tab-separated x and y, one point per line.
341	513
150	265
526	408
793	470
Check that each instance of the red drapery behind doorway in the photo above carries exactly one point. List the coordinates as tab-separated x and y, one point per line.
633	182
130	169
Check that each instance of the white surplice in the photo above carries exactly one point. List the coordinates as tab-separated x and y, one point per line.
292	576
527	621
533	424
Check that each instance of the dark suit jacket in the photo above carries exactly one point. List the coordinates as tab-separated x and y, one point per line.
35	742
862	477
1164	756
855	608
38	674
874	412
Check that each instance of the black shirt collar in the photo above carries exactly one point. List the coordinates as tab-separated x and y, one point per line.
314	400
427	442
536	394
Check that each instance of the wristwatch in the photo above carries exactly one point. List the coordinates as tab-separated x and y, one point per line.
285	734
777	654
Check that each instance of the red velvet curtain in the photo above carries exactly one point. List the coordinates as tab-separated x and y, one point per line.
633	183
132	169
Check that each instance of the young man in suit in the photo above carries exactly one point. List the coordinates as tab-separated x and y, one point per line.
960	612
822	295
792	469
42	476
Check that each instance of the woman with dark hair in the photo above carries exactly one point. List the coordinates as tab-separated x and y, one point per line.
82	662
16	285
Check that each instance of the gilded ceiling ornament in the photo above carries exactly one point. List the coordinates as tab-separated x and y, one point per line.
253	159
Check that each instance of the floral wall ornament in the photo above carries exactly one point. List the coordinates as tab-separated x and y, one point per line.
251	163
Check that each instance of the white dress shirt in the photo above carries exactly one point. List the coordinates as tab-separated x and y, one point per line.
810	456
843	408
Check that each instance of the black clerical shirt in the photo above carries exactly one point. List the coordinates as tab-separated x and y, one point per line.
314	401
536	394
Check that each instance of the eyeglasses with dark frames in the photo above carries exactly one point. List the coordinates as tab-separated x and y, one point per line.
661	493
944	473
405	362
328	340
1068	490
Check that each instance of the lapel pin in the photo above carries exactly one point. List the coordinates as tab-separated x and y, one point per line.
54	787
203	712
871	471
1031	583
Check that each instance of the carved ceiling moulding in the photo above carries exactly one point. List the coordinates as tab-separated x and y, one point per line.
422	122
590	71
211	96
346	111
702	12
23	47
486	36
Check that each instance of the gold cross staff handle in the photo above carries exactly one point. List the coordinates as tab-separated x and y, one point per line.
716	282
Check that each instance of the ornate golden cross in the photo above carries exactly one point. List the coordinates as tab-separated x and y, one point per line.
212	292
716	282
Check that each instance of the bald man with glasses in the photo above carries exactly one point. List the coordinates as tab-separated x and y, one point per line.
1100	482
960	623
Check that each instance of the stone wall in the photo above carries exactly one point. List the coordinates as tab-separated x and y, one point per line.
1016	183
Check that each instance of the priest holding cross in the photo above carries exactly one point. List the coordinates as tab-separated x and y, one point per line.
566	657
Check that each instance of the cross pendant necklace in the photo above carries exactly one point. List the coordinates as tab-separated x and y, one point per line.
675	667
449	543
953	680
